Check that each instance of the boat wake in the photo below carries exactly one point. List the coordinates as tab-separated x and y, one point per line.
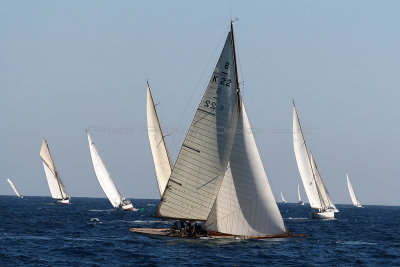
102	210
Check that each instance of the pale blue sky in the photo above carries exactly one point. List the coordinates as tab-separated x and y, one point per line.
70	65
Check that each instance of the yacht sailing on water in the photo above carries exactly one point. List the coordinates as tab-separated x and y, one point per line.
219	178
283	199
316	192
353	197
57	188
107	184
14	188
301	203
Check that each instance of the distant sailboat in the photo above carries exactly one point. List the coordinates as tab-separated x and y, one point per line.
107	184
56	186
219	177
301	203
354	199
283	199
14	188
312	181
161	158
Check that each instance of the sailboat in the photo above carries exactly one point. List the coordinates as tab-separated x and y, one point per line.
14	188
301	203
283	199
354	199
161	157
219	178
316	192
56	186
107	184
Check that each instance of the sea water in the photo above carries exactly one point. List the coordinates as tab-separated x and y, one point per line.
89	232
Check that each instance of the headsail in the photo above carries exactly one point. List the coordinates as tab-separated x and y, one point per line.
14	188
245	204
304	163
161	158
104	178
56	186
351	191
203	159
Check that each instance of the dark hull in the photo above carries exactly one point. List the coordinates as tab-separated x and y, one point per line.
166	232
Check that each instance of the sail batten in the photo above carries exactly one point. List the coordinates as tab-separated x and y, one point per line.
201	164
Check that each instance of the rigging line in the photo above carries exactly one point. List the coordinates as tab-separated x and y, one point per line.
198	84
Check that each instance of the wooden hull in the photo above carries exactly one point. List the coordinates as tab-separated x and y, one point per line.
166	232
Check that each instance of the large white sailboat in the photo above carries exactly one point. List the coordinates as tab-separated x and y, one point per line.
283	198
14	188
107	184
353	197
219	177
57	188
301	202
161	158
316	192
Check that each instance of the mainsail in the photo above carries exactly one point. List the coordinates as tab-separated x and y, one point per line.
104	178
161	158
245	204
14	188
203	159
304	163
56	186
351	191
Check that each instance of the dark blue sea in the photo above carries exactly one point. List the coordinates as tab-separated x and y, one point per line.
88	232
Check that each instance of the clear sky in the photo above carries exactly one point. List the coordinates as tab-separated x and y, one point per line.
70	65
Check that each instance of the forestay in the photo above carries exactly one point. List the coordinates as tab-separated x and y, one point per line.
203	159
56	186
161	158
304	163
245	204
103	176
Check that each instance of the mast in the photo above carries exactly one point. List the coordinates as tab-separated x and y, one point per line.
236	70
308	155
159	125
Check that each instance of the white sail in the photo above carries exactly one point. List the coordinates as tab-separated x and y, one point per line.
161	158
351	191
104	178
283	199
56	186
245	204
304	163
298	192
14	188
203	159
320	184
